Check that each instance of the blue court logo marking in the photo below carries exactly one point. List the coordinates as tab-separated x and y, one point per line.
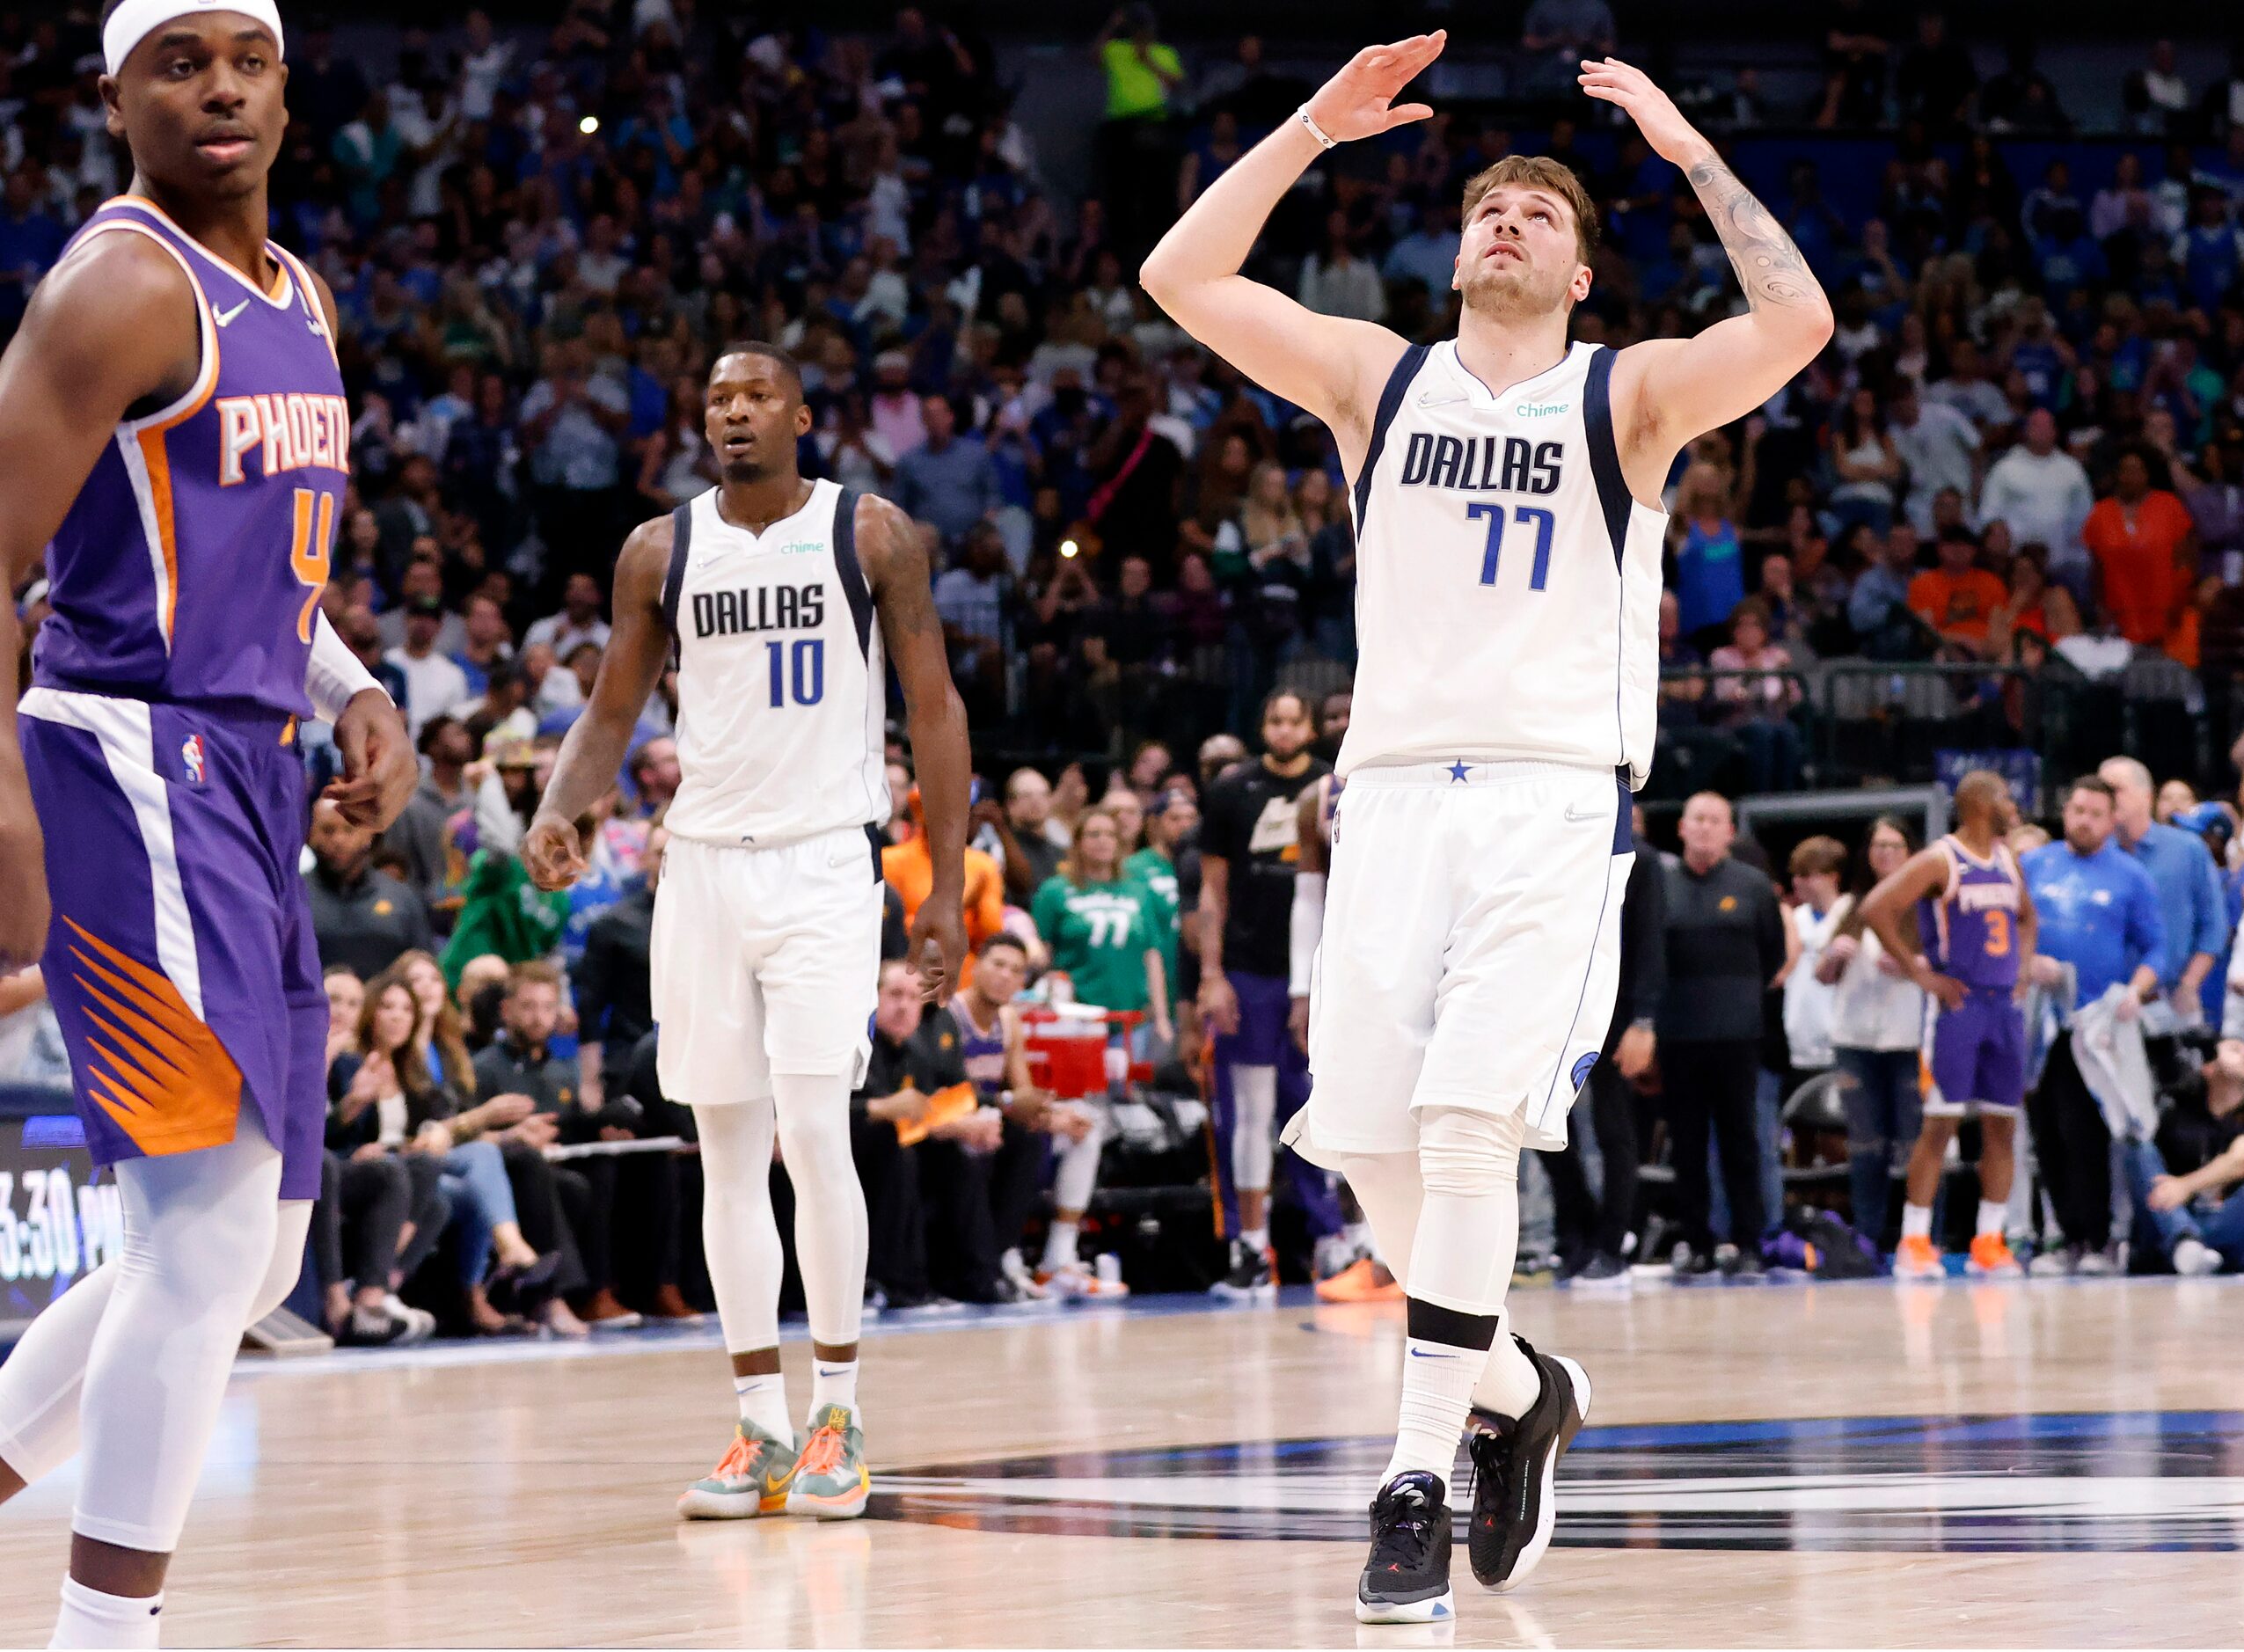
2101	1480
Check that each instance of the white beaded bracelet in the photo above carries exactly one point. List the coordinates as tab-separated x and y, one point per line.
1302	114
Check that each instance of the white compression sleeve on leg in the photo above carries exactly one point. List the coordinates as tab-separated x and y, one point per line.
1468	1236
1468	1229
1307	925
1079	1173
199	1244
829	1230
42	1382
1255	1112
1388	1188
740	1236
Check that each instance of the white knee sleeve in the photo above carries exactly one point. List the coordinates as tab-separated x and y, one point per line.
829	1233
1078	1173
1468	1228
43	1382
1255	1112
200	1232
293	1225
739	1236
1389	1191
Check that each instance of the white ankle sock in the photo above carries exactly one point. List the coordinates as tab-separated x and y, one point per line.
91	1618
1437	1383
1255	1239
1359	1237
1059	1245
1993	1216
833	1382
1917	1221
1511	1383
763	1404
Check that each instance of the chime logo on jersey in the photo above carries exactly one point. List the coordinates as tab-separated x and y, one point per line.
1510	464
756	608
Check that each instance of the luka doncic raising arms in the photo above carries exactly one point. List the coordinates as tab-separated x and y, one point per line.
1505	488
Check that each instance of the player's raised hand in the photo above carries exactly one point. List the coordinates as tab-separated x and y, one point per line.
23	873
1359	102
380	771
1672	138
553	852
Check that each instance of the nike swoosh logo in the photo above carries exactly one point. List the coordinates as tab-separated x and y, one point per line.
1579	816
226	318
1420	1353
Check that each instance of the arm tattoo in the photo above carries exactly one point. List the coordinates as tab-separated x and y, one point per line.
897	573
1769	266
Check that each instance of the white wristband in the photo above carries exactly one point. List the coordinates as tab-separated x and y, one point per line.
1302	115
335	675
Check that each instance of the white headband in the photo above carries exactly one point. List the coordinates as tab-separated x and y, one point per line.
135	20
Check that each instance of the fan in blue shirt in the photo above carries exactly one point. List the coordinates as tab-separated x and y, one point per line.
2191	902
2099	910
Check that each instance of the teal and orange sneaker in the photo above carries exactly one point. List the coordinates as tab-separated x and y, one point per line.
830	1479
753	1478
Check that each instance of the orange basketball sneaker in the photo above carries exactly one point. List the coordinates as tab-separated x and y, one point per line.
1360	1282
1990	1259
1919	1258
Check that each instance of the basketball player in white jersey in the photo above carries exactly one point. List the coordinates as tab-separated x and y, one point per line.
1508	533
766	947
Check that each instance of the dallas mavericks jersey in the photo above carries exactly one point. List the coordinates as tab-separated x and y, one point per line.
1508	587
781	697
190	565
1971	928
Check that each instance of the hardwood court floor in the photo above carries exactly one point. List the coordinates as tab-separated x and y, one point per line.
2033	1464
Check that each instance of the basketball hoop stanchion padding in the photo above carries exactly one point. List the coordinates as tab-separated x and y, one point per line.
1067	1046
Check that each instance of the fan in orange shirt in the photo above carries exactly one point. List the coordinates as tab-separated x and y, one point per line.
2146	547
1958	597
910	873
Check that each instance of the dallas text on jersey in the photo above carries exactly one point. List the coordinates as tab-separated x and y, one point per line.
759	608
1510	463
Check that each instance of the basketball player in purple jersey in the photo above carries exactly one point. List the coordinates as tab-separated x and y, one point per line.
174	443
1976	926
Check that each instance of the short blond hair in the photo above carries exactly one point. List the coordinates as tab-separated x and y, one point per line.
1540	171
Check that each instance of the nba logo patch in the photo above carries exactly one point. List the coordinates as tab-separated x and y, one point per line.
191	758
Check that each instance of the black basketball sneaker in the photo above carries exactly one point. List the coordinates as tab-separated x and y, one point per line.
1407	1580
1513	1466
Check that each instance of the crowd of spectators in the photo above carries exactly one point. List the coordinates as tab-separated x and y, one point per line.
2023	454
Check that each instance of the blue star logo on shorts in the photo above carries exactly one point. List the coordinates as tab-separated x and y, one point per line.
1458	770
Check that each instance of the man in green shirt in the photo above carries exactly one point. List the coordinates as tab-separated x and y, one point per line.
1155	868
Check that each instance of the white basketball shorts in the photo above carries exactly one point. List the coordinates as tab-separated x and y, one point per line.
765	960
1470	952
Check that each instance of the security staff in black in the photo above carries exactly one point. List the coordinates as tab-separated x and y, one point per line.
1725	947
